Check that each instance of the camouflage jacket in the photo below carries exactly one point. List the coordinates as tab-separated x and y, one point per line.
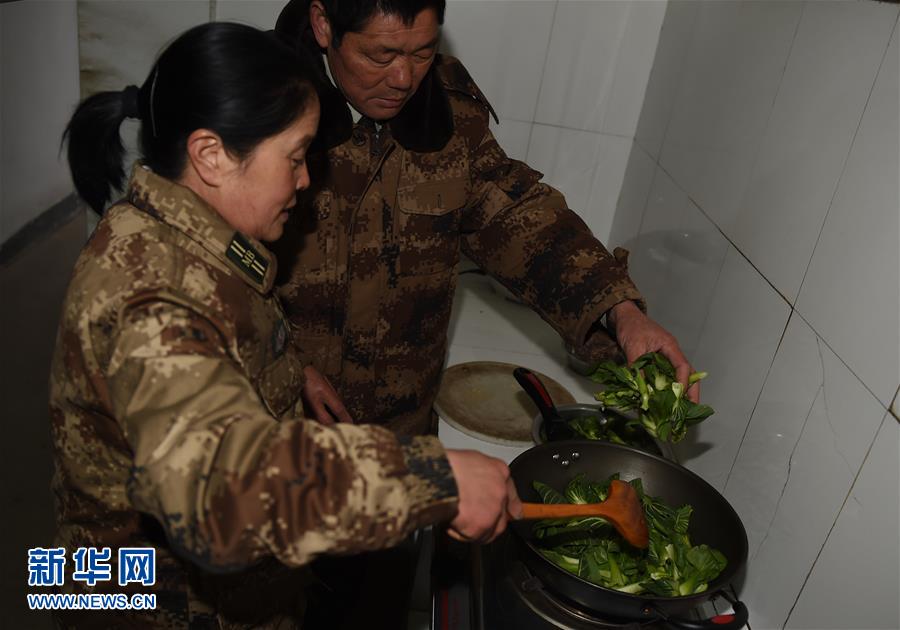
368	282
173	390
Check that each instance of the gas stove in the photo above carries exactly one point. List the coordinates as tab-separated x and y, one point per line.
489	588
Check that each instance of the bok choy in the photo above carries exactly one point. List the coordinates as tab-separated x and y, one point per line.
649	387
591	549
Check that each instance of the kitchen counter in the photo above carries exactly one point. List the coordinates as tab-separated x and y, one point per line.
486	325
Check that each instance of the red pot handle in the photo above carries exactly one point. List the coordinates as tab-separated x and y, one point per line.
731	621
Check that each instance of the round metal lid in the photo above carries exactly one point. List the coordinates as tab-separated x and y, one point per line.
483	399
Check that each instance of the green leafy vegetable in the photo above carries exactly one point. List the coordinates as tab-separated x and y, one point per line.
613	427
591	549
649	387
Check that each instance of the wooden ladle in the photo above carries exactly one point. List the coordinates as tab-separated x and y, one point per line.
622	509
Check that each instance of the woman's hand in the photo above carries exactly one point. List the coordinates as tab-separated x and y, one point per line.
321	400
637	334
487	497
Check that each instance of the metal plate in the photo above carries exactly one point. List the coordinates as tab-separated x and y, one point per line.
483	400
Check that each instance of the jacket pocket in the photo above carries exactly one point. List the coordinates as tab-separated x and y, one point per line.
426	232
280	383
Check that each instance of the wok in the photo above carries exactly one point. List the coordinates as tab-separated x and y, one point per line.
714	522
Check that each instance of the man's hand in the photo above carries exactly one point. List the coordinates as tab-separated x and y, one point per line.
320	399
487	497
638	335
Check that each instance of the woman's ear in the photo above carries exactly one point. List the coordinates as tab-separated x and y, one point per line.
208	158
321	27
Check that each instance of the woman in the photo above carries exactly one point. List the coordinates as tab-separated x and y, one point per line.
174	393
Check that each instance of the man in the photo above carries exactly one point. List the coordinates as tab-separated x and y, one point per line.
410	177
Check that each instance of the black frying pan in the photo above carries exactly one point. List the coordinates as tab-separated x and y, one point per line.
713	522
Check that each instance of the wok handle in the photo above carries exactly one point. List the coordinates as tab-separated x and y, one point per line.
731	621
538	393
554	426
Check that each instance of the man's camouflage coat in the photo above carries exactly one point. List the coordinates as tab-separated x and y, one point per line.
368	279
174	390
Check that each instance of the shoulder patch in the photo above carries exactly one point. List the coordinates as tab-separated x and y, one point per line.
454	77
247	259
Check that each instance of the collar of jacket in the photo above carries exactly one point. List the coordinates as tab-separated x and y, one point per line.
181	208
425	124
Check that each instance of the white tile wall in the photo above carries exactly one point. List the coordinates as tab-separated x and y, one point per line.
632	198
597	64
513	137
502	44
767	128
733	69
665	210
666	74
854	581
634	61
805	444
736	346
581	61
851	293
606	185
587	167
677	260
567	158
834	59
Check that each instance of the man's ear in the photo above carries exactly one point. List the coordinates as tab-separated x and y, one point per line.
208	158
321	27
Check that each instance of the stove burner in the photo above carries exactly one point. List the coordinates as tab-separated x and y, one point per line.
532	592
508	596
490	588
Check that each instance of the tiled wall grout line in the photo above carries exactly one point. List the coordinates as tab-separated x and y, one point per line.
726	237
787	477
643	209
687	50
849	368
756	402
834	522
840	177
763	276
541	82
592	131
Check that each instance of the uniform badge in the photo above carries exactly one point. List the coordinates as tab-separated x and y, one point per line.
248	260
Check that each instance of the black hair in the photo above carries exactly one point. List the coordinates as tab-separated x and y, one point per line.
242	83
351	16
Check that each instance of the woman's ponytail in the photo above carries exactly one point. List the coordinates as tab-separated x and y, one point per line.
95	149
237	81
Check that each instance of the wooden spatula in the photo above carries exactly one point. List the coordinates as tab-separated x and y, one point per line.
622	509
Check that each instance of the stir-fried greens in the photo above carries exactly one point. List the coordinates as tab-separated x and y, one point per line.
614	428
649	386
591	549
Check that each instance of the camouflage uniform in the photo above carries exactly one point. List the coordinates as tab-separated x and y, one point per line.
368	284
174	386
